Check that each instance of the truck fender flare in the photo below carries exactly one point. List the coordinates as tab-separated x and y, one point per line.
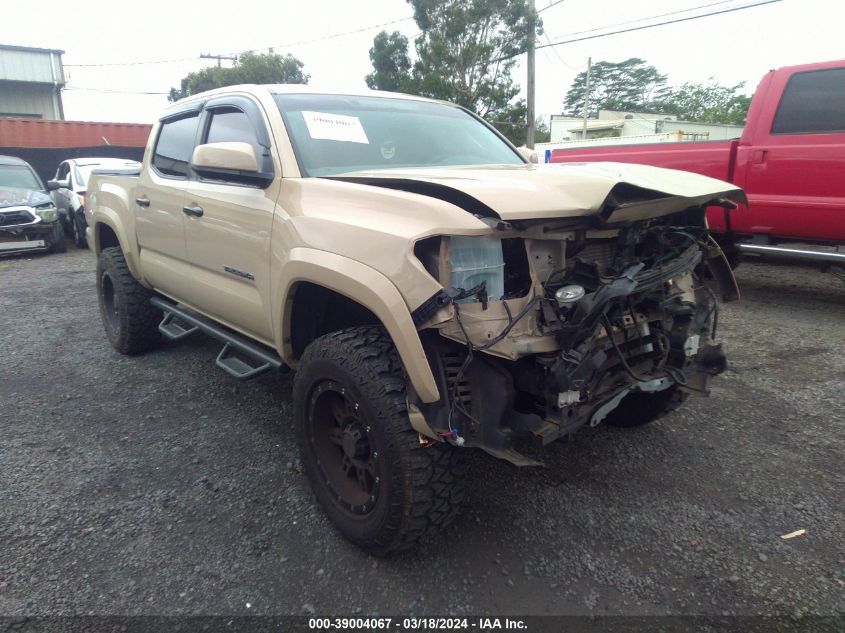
369	288
111	219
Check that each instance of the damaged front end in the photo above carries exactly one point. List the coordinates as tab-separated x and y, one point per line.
29	221
547	326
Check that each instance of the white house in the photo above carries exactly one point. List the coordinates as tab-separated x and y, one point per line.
614	124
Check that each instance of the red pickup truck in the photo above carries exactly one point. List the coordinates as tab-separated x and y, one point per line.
790	160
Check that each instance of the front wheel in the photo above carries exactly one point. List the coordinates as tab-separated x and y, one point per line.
78	230
57	239
130	320
382	488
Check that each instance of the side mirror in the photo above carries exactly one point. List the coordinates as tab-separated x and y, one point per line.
231	156
528	154
229	162
53	185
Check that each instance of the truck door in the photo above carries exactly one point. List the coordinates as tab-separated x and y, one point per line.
229	223
158	201
793	169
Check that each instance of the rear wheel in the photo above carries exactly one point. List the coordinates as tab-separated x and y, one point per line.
639	408
378	484
130	321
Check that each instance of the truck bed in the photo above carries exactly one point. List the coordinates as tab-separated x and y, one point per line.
708	158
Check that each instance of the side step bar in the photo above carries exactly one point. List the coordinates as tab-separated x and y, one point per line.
792	253
179	323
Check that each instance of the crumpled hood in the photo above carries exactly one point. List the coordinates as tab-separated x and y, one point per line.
619	191
13	197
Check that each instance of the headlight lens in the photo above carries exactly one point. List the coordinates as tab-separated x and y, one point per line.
47	212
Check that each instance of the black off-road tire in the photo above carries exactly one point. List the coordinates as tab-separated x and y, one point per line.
66	221
419	489
130	321
639	408
59	241
79	232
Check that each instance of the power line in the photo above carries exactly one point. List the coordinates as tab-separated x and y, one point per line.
118	92
333	36
549	6
561	59
143	63
189	59
649	26
652	17
219	58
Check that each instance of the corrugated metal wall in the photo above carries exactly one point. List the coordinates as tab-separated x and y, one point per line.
29	100
31	65
30	82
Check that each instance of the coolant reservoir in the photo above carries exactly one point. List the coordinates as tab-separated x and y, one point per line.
477	259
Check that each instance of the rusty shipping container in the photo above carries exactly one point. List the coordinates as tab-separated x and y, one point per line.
22	132
44	144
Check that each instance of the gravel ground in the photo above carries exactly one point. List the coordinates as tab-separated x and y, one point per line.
158	485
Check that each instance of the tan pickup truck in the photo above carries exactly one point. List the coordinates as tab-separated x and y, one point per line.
432	287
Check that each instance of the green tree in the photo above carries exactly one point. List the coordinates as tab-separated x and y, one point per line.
542	131
250	68
465	54
391	63
708	103
628	85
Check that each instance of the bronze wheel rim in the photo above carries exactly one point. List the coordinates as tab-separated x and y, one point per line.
341	440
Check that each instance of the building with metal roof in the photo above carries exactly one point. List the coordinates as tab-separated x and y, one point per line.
31	82
615	124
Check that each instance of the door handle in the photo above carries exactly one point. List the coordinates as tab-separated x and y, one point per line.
142	201
193	210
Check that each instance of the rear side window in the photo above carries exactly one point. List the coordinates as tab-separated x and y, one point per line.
175	145
812	103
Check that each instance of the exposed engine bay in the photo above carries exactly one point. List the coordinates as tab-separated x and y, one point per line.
549	326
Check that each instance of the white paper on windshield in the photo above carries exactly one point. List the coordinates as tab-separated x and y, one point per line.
335	127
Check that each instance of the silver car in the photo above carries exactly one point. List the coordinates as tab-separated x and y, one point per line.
68	191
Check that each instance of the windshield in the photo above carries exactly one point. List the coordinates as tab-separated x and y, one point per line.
18	177
333	134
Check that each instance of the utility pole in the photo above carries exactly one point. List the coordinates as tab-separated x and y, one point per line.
529	141
232	58
587	98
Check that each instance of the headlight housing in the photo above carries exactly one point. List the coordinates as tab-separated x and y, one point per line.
47	212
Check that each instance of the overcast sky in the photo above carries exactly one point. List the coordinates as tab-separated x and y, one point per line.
732	47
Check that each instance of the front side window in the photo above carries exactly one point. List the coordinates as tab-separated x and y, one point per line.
334	134
175	145
231	125
812	103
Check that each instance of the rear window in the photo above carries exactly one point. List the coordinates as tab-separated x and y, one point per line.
174	146
812	103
